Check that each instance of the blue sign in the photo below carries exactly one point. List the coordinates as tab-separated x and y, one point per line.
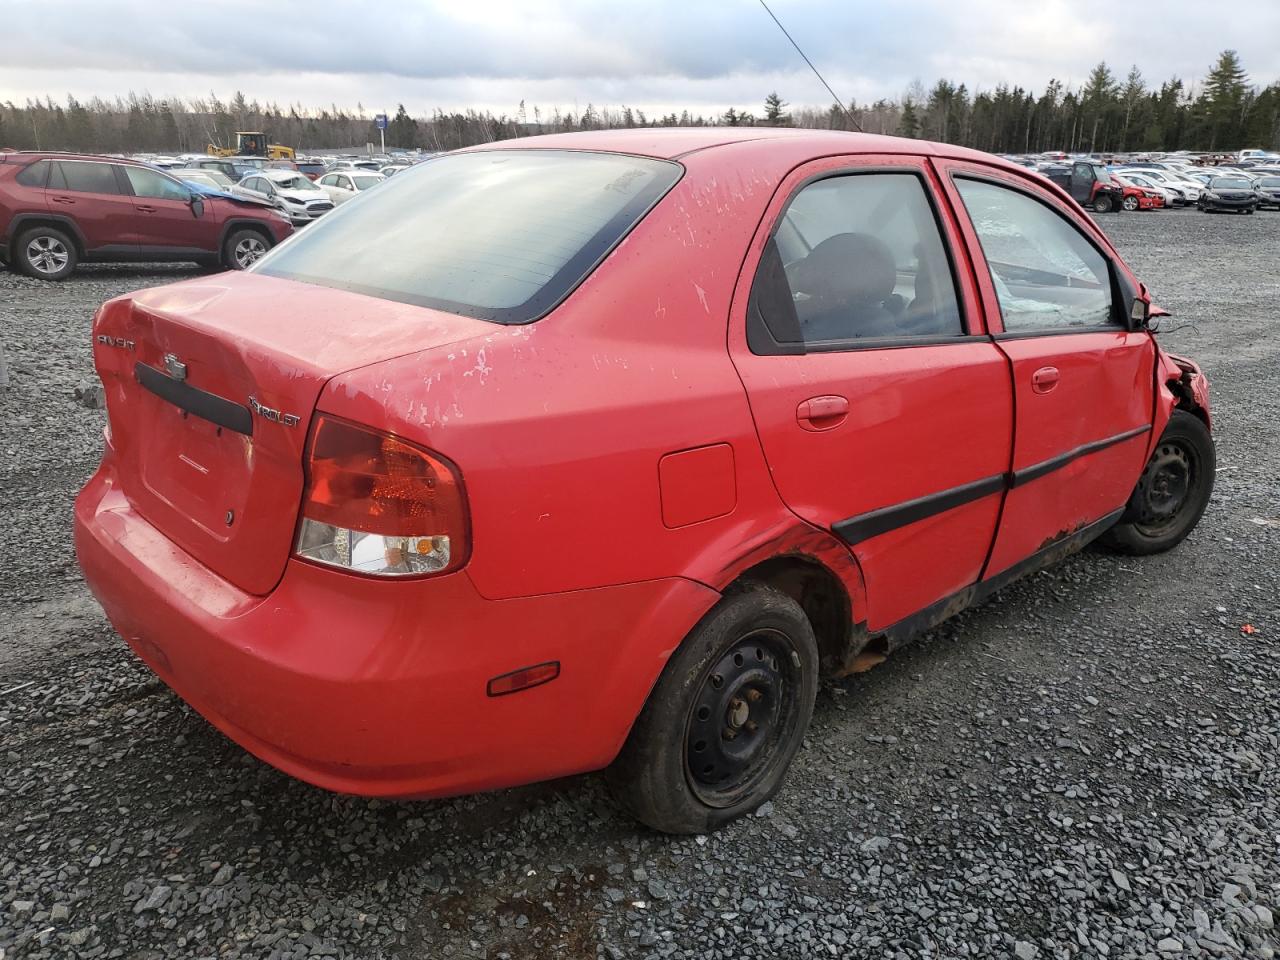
380	121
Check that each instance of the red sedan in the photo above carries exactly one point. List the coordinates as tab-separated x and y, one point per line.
597	450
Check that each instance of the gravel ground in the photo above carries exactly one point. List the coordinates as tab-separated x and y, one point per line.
1086	766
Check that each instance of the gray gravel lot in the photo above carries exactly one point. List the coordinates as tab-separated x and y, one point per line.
1087	766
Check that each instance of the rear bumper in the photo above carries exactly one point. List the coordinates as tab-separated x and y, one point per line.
379	688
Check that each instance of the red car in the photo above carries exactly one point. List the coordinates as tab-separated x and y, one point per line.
57	210
597	450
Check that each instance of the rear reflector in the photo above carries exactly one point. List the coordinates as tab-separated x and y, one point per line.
523	679
380	505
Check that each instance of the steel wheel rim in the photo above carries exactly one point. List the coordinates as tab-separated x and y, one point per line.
1164	490
743	712
249	251
47	254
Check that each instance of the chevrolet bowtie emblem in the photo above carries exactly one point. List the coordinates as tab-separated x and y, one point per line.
175	367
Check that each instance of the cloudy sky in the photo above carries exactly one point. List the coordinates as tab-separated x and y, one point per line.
705	55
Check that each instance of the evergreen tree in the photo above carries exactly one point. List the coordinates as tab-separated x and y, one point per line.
909	122
402	131
773	111
1224	102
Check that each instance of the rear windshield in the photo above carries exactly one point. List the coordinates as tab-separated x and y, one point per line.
498	235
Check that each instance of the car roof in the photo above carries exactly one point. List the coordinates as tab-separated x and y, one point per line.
672	143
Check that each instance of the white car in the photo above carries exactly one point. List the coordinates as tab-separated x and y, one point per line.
1185	189
288	191
213	179
342	185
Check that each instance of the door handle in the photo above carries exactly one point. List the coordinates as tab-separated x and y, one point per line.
1045	379
822	413
145	208
63	199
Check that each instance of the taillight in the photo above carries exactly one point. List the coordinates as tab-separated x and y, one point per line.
376	504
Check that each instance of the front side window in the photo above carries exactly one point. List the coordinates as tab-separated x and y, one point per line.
1046	273
152	185
84	177
854	258
499	235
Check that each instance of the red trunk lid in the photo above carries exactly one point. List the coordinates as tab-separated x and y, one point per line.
217	472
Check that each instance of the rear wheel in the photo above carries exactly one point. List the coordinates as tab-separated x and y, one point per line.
243	248
1102	203
725	718
45	253
1172	492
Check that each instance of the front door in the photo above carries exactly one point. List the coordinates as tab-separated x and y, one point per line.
883	410
1083	383
1082	181
166	222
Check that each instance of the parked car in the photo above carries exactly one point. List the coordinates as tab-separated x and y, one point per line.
1268	190
1090	185
345	164
1141	193
345	184
60	210
311	169
213	179
455	527
292	193
1229	193
1183	189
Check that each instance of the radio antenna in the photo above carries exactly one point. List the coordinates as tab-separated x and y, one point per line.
838	101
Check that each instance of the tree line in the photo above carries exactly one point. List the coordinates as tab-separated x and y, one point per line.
1225	112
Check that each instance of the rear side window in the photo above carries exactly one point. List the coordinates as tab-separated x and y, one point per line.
84	177
1046	273
499	235
854	258
35	175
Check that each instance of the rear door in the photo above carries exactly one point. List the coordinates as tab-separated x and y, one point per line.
1083	383
884	411
166	222
89	192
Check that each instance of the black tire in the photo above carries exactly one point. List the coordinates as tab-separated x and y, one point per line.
1172	492
45	253
1102	203
743	728
1130	204
244	247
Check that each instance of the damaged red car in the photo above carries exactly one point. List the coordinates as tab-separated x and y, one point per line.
599	450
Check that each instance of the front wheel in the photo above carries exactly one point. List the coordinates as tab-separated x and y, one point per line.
243	248
725	718
1102	203
1172	492
1130	203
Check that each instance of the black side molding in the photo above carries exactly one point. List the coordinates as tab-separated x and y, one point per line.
205	405
907	629
1037	470
868	525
